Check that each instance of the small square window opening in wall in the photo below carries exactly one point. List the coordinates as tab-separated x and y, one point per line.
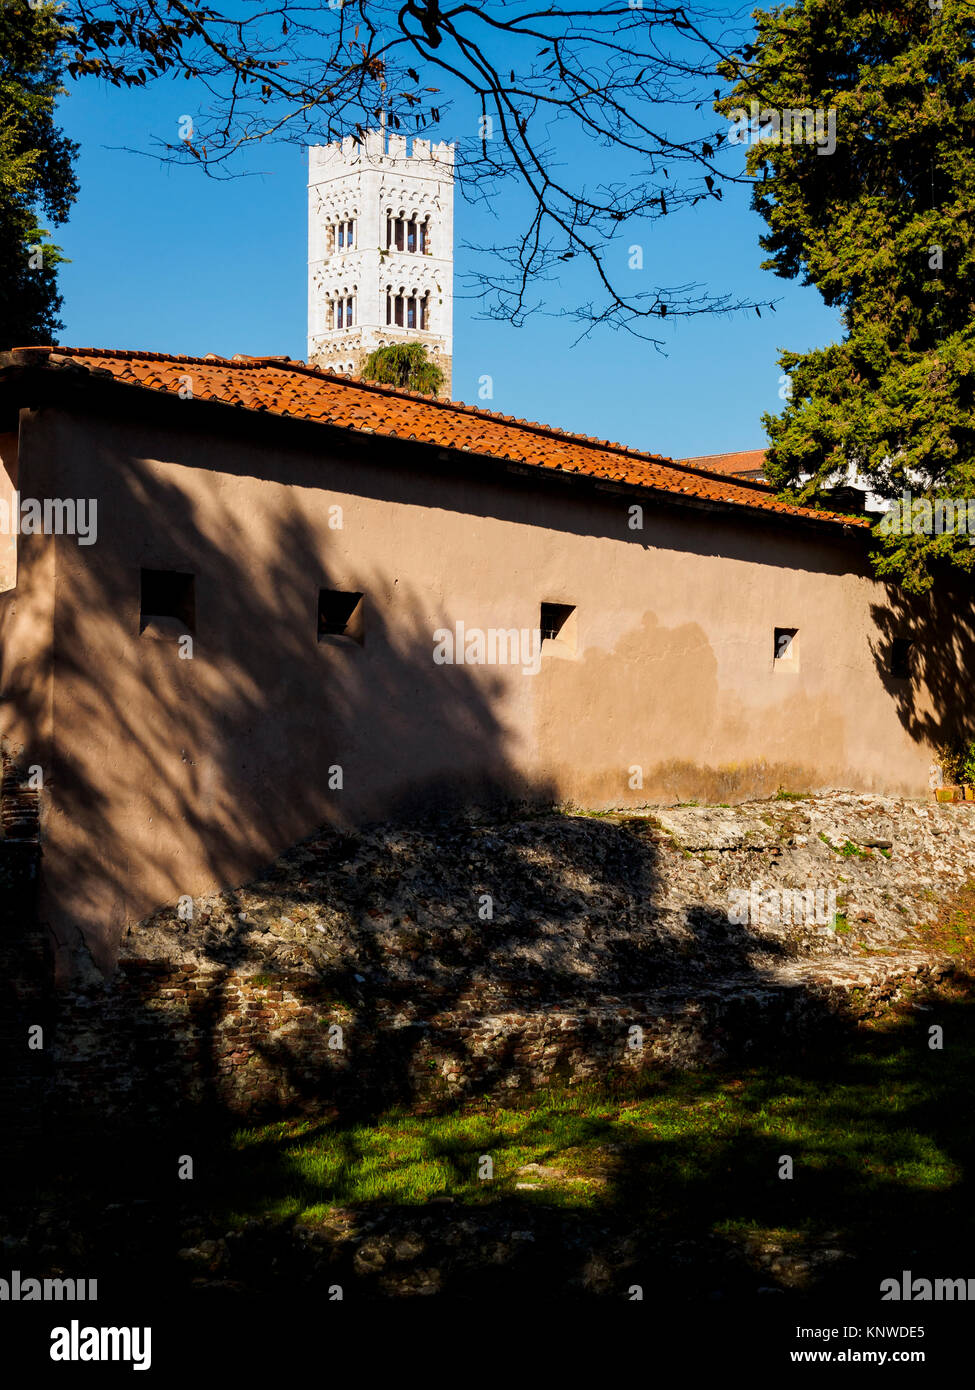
554	620
901	658
167	603
785	650
340	614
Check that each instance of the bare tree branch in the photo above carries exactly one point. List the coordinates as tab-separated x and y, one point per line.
532	87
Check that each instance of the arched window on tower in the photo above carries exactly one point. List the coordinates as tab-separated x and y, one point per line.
342	312
394	308
407	234
342	235
407	310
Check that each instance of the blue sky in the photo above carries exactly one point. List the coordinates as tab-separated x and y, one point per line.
164	258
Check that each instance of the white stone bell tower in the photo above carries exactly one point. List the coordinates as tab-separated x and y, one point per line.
380	250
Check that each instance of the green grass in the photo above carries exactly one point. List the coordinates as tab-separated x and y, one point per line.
880	1128
954	932
848	849
870	1128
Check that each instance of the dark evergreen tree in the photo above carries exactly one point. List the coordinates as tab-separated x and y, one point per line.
36	172
884	227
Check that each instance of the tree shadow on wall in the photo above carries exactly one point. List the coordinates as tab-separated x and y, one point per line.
233	753
928	641
237	747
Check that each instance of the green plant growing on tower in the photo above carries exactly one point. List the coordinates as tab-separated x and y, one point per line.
404	365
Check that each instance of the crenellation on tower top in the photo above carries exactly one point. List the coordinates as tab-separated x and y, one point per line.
379	149
380	249
372	144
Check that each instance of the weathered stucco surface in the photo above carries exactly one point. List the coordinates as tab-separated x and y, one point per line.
167	777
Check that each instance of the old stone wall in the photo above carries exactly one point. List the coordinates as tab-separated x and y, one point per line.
473	955
26	1004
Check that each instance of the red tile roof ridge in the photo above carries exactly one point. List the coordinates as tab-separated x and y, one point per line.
727	453
295	366
292	364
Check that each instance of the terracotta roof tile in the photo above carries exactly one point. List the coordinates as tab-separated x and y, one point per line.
286	387
739	464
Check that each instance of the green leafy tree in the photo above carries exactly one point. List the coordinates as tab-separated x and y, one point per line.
404	364
36	172
884	227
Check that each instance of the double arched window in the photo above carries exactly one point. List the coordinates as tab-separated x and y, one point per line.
407	233
341	235
341	311
405	310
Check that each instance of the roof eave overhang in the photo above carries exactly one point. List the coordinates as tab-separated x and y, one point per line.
26	383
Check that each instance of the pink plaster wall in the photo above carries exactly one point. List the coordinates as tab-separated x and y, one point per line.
169	777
